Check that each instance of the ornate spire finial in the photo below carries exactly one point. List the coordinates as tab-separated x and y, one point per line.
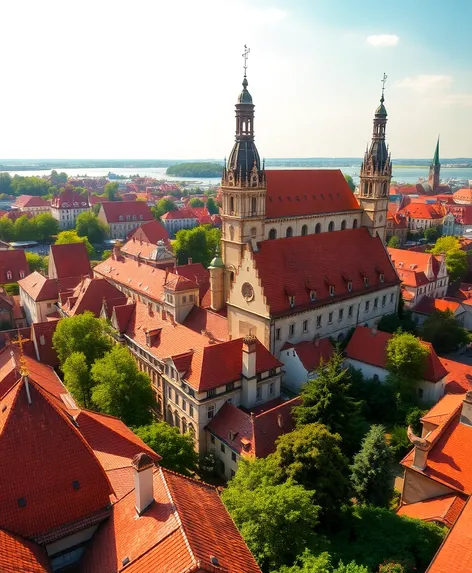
245	56
384	79
19	342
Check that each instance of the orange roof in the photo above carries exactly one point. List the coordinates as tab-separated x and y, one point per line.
428	305
253	435
444	509
30	201
13	261
298	192
119	211
150	232
455	555
370	346
91	294
39	288
459	378
19	555
42	332
312	353
443	409
412	266
423	211
463	196
69	260
179	214
144	250
70	199
204	320
186	526
297	266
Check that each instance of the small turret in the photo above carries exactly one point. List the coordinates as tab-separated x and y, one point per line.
216	269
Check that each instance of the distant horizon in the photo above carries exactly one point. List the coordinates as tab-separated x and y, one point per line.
219	160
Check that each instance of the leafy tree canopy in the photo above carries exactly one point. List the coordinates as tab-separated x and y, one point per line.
7	229
196	169
89	225
196	202
29	185
66	237
81	333
121	389
37	262
444	331
392	322
350	182
46	226
163	206
212	206
432	233
25	229
322	563
394	242
198	243
406	356
77	378
176	449
445	245
456	264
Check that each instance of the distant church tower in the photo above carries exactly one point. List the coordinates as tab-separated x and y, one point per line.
375	175
435	170
243	188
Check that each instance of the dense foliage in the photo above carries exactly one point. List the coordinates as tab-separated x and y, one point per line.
37	262
198	243
66	237
406	356
196	202
394	242
163	206
456	259
89	225
195	170
322	563
444	332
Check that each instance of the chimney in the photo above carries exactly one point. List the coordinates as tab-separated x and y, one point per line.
249	356
316	341
143	466
466	414
189	261
116	251
422	447
374	331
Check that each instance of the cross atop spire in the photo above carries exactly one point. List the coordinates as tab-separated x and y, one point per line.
384	80
19	342
245	56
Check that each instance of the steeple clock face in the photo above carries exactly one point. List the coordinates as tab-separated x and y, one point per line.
248	292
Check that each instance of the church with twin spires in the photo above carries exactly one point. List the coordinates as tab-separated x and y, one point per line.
302	257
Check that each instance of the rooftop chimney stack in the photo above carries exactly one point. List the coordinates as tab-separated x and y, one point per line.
143	466
116	251
422	447
466	414
249	356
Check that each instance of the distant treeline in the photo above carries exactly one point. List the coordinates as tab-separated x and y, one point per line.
195	170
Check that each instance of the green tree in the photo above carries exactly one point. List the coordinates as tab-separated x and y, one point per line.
394	242
350	182
77	378
5	183
445	245
456	264
46	226
82	333
406	356
25	229
66	237
177	450
163	206
37	262
370	471
444	331
106	254
110	191
327	399
7	229
322	563
198	243
58	178
312	457
277	521
121	389
89	225
29	186
212	206
431	234
196	202
392	322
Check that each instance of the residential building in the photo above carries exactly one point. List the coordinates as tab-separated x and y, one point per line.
458	220
463	295
69	262
175	221
367	351
151	232
93	295
397	225
422	216
11	312
122	217
38	296
13	266
428	306
31	204
422	274
160	255
66	206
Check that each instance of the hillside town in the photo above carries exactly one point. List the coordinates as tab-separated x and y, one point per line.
270	374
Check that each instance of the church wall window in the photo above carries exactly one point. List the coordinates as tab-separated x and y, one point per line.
253	206
289	232
343	225
253	232
318	229
354	225
305	230
331	227
272	234
231	233
231	205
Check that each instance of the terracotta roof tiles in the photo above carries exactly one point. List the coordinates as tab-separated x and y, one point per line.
91	294
13	265
150	232
39	288
444	509
19	555
136	210
311	353
69	260
428	305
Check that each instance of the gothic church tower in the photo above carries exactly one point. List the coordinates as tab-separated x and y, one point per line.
435	170
375	176
243	188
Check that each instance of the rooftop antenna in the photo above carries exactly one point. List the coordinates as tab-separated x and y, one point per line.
384	80
23	366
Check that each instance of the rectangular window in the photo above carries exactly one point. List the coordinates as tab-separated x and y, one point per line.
341	314
376	302
222	448
384	300
391	298
318	321
212	438
169	392
233	456
184	299
331	290
258	394
184	405
350	311
305	326
211	393
230	387
330	318
190	297
277	334
190	410
176	398
271	389
210	411
291	330
367	306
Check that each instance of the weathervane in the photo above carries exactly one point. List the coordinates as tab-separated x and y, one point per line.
245	56
384	79
19	342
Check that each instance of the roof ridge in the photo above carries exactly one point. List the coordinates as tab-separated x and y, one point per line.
189	478
285	403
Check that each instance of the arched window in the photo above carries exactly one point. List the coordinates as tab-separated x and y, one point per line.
184	426
22	274
177	419
253	206
354	225
331	227
343	225
272	234
120	217
318	229
9	275
253	232
289	232
231	233
305	230
170	417
231	205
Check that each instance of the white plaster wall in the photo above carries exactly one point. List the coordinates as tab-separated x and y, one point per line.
295	373
432	392
368	370
225	457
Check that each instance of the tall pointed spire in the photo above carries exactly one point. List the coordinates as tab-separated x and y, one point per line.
435	170
377	155
436	154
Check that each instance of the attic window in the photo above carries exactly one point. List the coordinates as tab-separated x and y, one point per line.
349	286
313	295
21	502
22	274
120	218
291	300
382	277
246	444
42	340
9	275
232	435
331	290
125	561
366	281
76	485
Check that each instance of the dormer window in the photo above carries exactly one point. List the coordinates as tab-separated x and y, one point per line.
9	275
331	290
382	277
291	300
22	274
349	286
312	295
366	281
128	217
120	217
134	217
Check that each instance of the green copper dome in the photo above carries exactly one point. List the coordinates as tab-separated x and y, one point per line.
217	261
245	96
381	110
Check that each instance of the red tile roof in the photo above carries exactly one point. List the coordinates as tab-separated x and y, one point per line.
459	378
203	320
463	196
298	265
136	210
19	555
455	555
70	199
428	305
311	353
69	260
13	261
91	294
444	509
423	211
298	192
186	526
370	346
42	333
30	201
179	214
253	435
150	232
39	288
413	267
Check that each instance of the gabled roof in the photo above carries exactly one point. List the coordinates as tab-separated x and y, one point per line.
204	320
119	211
300	265
18	555
443	509
185	526
42	333
179	214
459	378
412	266
311	353
70	199
39	288
91	294
428	305
298	192
370	346
423	211
14	261
463	196
30	201
150	232
69	260
253	435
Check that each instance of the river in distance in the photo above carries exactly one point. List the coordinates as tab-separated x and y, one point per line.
400	174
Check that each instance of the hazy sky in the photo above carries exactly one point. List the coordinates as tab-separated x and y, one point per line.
159	79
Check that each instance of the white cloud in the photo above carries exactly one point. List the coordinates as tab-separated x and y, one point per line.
378	40
425	83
